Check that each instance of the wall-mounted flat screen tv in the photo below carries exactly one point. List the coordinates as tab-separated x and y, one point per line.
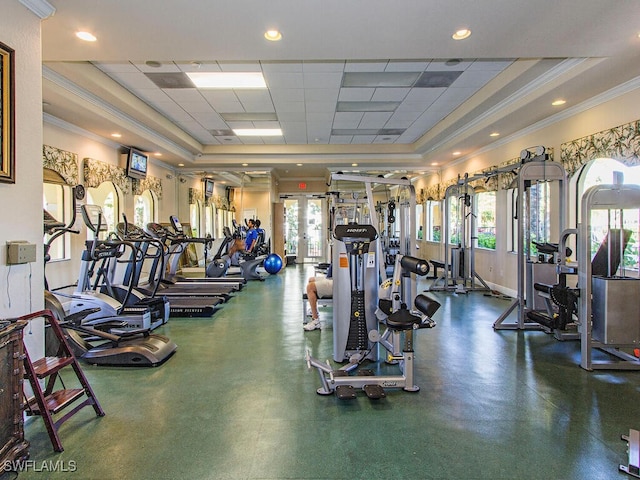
208	187
137	163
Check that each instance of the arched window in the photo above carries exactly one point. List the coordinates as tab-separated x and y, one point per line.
54	200
106	195
434	221
210	220
144	209
194	218
601	171
486	220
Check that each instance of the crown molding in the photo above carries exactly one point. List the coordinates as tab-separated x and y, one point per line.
41	8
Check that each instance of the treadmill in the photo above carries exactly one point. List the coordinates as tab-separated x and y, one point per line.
179	305
176	243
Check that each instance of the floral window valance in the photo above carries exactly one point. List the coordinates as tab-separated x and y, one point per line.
97	172
63	162
195	196
621	142
153	184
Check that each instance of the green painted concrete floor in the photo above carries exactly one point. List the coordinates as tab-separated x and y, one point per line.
238	402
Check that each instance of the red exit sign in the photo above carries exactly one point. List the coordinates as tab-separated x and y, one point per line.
302	186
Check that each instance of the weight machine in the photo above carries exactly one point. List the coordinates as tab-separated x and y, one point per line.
397	340
357	273
608	318
530	269
459	273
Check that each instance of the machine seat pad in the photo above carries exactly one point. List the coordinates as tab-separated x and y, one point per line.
402	319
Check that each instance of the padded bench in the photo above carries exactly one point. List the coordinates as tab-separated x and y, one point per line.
322	302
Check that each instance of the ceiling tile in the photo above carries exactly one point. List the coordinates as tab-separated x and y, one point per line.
374	120
269	67
387	94
404	66
365	66
347	119
170	80
316	67
290	107
284	80
287	95
367	106
321	94
356	94
437	79
379	79
322	80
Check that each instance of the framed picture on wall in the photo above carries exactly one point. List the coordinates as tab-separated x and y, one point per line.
7	123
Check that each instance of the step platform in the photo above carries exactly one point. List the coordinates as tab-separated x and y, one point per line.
374	392
345	392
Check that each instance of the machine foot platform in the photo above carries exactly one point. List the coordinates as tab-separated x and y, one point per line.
374	392
345	392
633	449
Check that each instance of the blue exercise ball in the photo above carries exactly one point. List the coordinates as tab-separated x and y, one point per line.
273	263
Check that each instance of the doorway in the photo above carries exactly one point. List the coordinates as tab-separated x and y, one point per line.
305	231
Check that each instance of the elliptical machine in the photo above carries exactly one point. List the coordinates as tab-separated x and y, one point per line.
100	342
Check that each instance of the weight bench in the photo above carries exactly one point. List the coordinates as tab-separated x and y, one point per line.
322	302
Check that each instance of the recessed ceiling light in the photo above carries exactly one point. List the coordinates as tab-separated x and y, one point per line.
494	134
157	154
354	164
273	35
299	164
245	164
558	102
433	164
181	164
86	36
116	135
258	132
228	80
457	153
461	34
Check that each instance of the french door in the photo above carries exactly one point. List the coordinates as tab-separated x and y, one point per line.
305	228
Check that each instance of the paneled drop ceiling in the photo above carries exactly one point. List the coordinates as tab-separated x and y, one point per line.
368	82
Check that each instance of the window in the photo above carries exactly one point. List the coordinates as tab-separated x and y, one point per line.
53	201
600	171
512	220
456	219
486	220
539	211
194	219
433	221
106	196
209	220
144	209
419	222
537	216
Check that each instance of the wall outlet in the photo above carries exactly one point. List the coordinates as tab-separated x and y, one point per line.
20	252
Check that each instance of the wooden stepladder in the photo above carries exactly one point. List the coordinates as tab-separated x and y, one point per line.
50	401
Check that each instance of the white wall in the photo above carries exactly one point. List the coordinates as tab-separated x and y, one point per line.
21	286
